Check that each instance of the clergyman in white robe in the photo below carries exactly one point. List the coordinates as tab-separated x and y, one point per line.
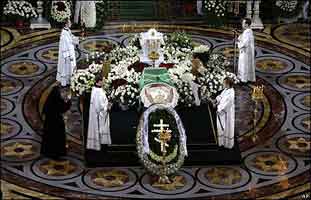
99	121
246	67
66	56
85	11
199	7
226	117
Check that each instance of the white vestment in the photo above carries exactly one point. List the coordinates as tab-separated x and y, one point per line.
86	12
246	69
226	118
66	57
99	121
199	7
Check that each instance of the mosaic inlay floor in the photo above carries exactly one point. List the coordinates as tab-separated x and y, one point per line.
277	163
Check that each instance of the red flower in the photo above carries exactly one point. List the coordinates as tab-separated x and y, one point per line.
137	66
118	82
60	6
167	65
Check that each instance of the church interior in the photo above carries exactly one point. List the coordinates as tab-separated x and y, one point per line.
173	117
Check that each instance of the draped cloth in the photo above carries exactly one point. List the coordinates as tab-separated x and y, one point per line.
99	121
66	57
226	118
246	68
54	137
157	87
86	12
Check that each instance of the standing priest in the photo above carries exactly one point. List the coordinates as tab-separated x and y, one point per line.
66	55
246	68
99	121
85	12
226	115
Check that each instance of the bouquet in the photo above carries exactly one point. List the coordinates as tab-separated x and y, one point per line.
287	5
21	9
120	54
127	94
216	7
135	41
184	90
179	39
82	81
210	85
95	68
96	57
218	61
201	49
61	10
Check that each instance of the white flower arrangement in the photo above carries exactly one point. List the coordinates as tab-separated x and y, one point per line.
23	9
210	79
127	94
119	54
61	10
135	41
218	7
95	68
175	55
82	81
201	49
287	5
186	96
95	55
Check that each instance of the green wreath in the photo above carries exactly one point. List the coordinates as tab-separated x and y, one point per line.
176	151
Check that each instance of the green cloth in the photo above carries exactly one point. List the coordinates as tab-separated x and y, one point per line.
155	75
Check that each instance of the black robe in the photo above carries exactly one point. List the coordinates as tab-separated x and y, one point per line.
54	136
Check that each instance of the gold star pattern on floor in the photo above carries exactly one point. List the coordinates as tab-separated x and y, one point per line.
18	150
223	175
306	123
5	37
110	178
298	81
23	68
177	182
57	168
97	46
299	144
270	64
294	33
270	163
7	86
51	54
307	101
5	128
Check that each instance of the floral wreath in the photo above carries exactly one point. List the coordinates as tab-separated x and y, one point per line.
175	159
61	10
20	8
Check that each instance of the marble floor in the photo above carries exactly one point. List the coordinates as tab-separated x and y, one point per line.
276	165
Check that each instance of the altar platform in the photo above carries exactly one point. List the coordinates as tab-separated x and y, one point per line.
200	126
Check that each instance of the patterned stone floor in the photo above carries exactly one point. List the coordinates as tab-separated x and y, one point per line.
276	165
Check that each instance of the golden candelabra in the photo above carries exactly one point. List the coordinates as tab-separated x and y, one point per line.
257	97
106	69
153	55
